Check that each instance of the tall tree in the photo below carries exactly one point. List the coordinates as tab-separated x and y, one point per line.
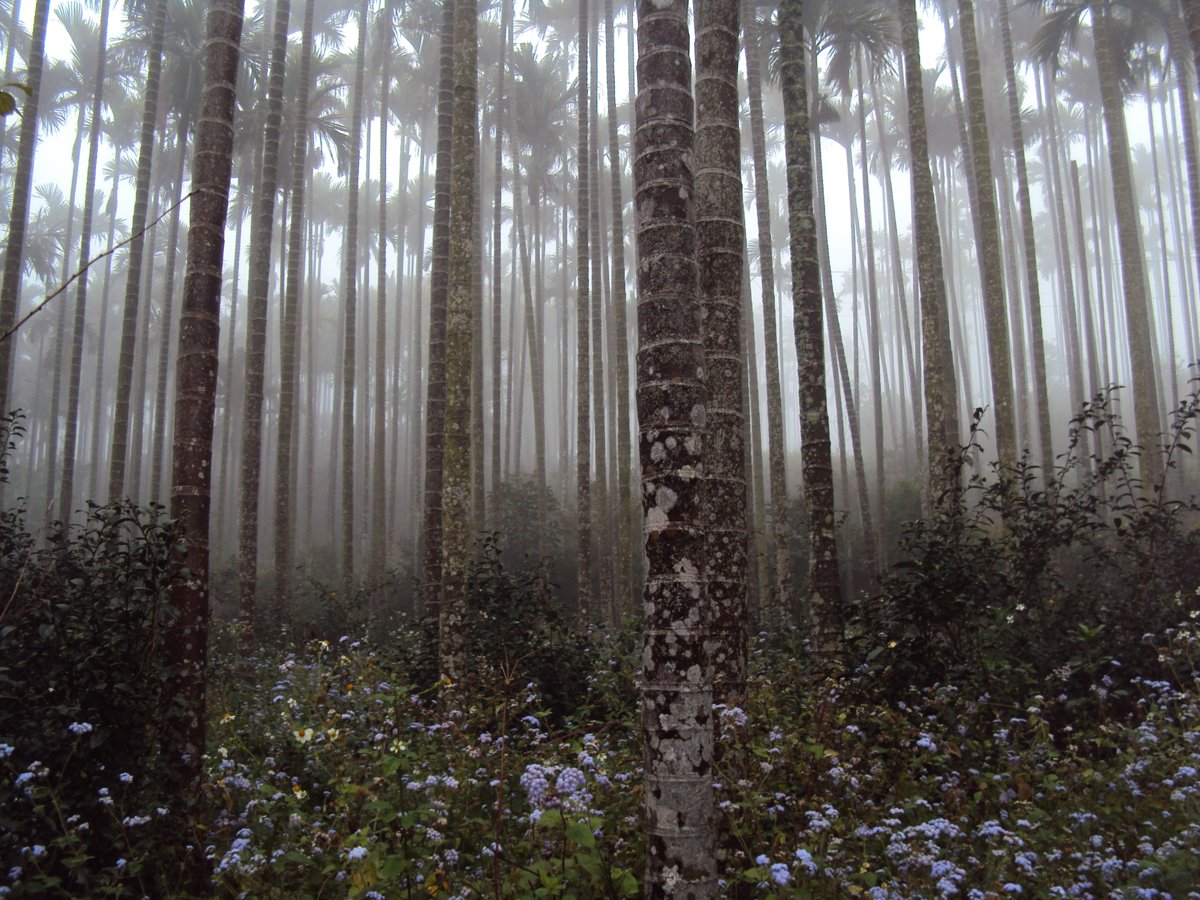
1032	285
941	402
435	384
18	216
262	228
778	607
196	389
1058	30
672	405
350	302
583	451
988	242
137	248
288	368
720	238
623	600
67	489
460	309
825	598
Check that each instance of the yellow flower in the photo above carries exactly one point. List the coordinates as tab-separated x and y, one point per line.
228	717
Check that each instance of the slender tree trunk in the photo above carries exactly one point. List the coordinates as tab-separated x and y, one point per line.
456	513
941	402
583	449
779	609
988	250
1133	275
1032	284
195	393
133	277
379	434
625	498
501	114
67	489
672	407
825	599
18	217
720	239
288	340
435	404
350	306
261	235
158	488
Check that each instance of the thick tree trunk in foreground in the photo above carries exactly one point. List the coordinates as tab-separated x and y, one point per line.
196	389
672	410
456	494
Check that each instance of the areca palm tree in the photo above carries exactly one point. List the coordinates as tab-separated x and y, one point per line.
10	287
262	228
460	306
1114	29
155	11
672	404
187	637
85	242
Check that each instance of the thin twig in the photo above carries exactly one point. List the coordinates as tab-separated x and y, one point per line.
91	262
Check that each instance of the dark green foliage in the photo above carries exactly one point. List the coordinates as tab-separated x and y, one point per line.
82	695
518	627
1011	583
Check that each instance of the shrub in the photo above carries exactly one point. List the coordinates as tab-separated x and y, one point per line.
1012	579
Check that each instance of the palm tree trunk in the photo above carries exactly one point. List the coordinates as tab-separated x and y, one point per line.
583	450
1133	275
604	610
720	239
625	498
501	113
435	404
672	407
990	260
778	610
195	393
157	486
941	402
288	340
379	489
95	460
825	599
875	342
350	306
133	279
261	236
18	217
1032	284
460	305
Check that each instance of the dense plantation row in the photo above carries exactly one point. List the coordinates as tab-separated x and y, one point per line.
361	652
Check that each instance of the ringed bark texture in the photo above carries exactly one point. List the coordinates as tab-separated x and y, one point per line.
196	387
941	401
825	597
720	238
435	398
990	261
672	411
456	495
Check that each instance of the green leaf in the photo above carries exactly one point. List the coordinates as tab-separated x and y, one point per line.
581	834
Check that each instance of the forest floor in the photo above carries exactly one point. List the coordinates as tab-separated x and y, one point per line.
335	777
